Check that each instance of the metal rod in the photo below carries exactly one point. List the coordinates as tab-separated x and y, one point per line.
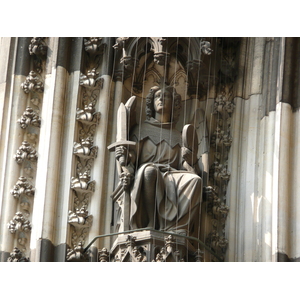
159	231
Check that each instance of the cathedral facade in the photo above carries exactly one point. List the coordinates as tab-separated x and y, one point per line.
149	149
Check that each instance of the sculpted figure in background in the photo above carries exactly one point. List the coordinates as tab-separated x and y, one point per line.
166	190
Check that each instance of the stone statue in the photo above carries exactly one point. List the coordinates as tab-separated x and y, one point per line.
165	191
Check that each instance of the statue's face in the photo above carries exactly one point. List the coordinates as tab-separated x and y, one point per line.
163	102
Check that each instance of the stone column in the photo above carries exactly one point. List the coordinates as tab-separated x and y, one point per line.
48	168
65	194
99	172
244	162
13	101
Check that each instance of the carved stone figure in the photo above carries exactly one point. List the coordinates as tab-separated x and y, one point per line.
166	191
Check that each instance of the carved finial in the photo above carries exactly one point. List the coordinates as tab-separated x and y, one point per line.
198	255
120	43
169	243
103	255
130	241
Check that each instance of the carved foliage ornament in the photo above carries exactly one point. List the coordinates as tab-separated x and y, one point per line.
81	221
205	47
220	138
83	182
223	103
22	186
91	79
220	171
80	218
29	117
32	83
221	143
17	256
92	45
215	240
215	206
85	148
19	223
88	114
77	254
37	46
25	151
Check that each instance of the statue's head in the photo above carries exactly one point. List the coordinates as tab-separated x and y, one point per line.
170	93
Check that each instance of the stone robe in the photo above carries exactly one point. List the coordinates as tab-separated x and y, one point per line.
178	192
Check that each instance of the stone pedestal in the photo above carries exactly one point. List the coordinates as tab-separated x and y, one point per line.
153	246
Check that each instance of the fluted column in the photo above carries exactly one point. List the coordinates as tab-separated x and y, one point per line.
49	151
100	197
65	194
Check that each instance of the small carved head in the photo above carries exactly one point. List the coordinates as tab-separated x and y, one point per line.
176	102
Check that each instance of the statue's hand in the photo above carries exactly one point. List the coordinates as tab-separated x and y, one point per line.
189	158
122	156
